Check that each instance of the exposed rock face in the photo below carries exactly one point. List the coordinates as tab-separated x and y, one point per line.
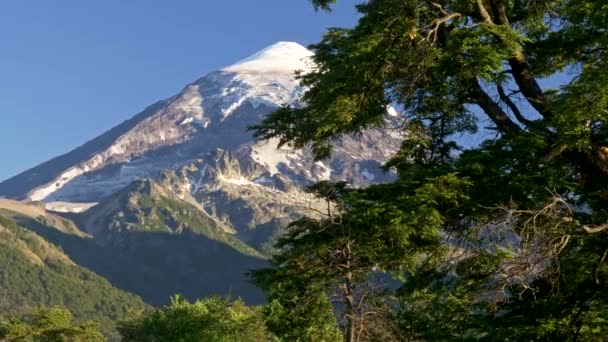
201	133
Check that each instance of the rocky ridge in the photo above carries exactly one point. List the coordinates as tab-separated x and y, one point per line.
201	134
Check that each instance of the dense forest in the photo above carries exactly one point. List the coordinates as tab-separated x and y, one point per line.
496	226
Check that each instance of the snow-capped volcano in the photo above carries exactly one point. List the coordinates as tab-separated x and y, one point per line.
209	115
281	57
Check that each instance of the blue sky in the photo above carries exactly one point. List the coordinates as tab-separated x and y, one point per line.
71	69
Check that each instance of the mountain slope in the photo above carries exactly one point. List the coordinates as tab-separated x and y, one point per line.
35	273
147	206
211	113
196	258
17	187
188	201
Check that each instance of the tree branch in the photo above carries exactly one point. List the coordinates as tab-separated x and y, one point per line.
501	12
505	98
598	155
492	110
595	229
483	13
518	114
436	24
528	85
520	70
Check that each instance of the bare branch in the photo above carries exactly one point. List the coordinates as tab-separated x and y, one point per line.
436	25
595	229
440	8
483	13
528	85
492	110
520	69
507	100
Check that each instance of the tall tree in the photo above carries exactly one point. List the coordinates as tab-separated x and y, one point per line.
535	215
383	229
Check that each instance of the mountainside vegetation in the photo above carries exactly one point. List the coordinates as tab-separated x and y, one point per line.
212	319
150	243
53	324
146	206
36	273
495	228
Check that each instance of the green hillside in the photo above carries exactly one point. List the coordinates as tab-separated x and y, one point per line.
149	241
35	273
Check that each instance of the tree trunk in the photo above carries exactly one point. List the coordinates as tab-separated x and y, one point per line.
349	299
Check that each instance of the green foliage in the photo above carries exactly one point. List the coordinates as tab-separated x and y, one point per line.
303	317
36	273
211	319
522	213
49	325
147	206
165	214
338	256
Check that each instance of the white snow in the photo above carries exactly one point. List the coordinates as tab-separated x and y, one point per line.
232	107
199	183
240	181
190	103
368	175
391	111
279	57
266	77
40	193
267	154
325	171
187	121
68	207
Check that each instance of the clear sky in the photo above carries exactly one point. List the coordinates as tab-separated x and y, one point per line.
71	69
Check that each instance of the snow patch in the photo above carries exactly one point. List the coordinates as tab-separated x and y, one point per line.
266	77
266	153
68	207
187	121
44	191
392	111
232	107
199	183
325	171
237	181
281	56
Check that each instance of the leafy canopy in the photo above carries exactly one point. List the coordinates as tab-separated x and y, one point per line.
528	232
211	319
48	325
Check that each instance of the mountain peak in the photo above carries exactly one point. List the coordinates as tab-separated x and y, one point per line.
210	114
280	56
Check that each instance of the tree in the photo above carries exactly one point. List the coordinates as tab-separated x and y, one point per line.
300	315
534	214
362	234
48	325
211	319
